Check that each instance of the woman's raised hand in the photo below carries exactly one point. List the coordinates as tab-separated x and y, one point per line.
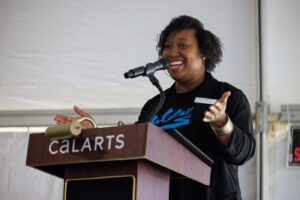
216	114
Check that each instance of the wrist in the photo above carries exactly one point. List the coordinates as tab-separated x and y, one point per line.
223	130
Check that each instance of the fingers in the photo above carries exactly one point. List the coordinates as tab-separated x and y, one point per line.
208	117
216	111
80	112
225	97
61	119
212	114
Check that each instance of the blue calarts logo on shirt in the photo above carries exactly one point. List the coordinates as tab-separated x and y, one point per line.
173	118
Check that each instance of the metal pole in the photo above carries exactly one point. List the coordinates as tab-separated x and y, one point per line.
261	117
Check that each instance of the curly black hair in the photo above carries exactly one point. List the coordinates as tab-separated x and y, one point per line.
209	44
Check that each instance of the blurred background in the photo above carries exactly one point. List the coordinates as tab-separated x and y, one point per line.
60	53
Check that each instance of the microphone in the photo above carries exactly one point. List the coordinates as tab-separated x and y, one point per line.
150	68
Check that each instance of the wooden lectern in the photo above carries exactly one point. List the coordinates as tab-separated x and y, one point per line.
125	162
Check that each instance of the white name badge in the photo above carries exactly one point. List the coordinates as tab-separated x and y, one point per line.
205	100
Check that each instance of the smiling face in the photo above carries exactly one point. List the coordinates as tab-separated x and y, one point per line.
186	60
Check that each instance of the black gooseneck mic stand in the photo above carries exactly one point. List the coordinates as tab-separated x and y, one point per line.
149	70
155	82
174	132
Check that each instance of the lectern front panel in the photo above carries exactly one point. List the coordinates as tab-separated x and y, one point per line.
102	188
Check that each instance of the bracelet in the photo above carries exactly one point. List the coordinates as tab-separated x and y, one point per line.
225	130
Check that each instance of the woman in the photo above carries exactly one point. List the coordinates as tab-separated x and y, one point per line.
214	115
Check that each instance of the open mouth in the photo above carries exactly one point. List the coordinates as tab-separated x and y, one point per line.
176	63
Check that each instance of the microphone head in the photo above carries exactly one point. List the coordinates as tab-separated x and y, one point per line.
164	62
135	72
161	64
128	74
150	68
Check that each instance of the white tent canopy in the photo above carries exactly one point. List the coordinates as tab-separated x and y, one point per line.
54	54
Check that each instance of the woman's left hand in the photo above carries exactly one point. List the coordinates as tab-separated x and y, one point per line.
216	114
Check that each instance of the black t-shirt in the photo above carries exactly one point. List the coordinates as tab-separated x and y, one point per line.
185	112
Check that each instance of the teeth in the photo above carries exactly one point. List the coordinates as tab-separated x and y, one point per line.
176	62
